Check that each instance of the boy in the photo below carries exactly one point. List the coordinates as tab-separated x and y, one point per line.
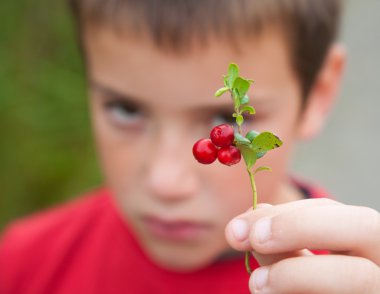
166	224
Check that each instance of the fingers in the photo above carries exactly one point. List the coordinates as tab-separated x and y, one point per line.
333	274
239	229
349	229
312	225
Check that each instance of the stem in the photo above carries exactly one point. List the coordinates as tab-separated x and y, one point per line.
253	186
247	266
239	130
237	111
254	191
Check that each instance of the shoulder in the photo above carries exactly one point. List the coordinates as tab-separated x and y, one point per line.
309	189
63	217
30	242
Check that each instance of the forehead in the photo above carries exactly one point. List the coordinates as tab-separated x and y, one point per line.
136	67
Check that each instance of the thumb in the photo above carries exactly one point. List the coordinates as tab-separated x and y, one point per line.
238	231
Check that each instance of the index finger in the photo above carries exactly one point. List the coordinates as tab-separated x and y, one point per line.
347	229
238	229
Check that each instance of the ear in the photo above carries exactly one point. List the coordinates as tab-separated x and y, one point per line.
323	94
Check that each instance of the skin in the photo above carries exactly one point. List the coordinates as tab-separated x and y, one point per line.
145	150
350	232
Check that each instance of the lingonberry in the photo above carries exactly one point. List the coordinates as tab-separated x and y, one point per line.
226	145
222	135
229	155
205	151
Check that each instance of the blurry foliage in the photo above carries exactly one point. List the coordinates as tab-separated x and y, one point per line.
46	148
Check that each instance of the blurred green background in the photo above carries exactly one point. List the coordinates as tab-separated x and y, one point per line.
46	147
46	150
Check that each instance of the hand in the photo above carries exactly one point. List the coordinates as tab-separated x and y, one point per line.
281	236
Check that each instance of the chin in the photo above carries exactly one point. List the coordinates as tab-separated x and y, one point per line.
181	265
182	259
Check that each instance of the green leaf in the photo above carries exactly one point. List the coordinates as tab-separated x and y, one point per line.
233	73
225	81
235	93
260	154
241	140
252	135
241	85
236	99
239	119
265	141
249	109
248	154
250	81
221	91
244	100
262	168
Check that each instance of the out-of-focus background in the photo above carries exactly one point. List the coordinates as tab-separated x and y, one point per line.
345	158
46	148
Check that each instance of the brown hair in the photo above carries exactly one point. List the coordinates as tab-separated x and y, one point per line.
310	26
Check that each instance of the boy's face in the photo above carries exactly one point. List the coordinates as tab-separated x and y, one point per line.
149	107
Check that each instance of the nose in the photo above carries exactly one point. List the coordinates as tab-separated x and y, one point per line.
171	175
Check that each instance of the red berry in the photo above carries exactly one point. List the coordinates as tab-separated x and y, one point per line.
229	155
205	151
222	135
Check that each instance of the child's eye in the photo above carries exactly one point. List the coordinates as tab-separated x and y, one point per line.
223	118
123	114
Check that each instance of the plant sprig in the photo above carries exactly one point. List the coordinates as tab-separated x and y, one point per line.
253	145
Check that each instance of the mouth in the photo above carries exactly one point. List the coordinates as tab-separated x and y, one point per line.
175	230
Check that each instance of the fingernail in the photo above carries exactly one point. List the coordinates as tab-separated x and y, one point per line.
263	229
263	205
239	228
260	279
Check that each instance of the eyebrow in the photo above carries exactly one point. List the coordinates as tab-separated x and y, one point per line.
214	108
115	94
135	101
261	101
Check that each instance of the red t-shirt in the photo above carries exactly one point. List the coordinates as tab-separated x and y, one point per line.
86	247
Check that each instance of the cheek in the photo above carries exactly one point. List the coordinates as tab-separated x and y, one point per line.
119	156
119	161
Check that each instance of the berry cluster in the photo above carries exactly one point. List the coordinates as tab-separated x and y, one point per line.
220	145
228	146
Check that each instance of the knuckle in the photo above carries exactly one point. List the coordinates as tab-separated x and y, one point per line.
368	277
371	221
375	217
328	201
373	214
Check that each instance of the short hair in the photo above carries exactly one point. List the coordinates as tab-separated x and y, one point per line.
309	26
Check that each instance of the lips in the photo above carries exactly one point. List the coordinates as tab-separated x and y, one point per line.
175	230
